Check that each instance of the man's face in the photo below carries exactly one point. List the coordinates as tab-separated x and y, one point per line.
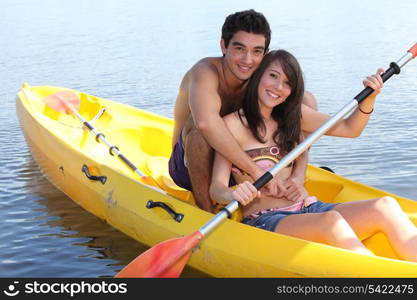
244	53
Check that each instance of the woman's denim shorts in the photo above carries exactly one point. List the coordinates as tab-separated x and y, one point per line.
270	220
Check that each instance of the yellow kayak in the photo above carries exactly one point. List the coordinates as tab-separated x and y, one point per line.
82	167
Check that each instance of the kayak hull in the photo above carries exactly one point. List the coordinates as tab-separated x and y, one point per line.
61	147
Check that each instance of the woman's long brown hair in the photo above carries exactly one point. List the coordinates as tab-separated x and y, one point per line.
287	114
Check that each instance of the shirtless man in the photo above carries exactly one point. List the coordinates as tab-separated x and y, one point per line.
212	88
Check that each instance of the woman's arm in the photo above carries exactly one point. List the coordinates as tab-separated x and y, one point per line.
220	192
353	125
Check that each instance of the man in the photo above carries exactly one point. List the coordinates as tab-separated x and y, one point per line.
212	88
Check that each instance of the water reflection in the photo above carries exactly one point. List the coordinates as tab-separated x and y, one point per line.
75	237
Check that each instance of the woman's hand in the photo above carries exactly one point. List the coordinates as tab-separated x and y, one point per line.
374	82
245	193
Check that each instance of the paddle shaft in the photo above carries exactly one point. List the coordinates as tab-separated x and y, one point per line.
180	248
394	68
113	150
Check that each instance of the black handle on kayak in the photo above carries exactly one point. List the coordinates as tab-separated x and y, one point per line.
85	170
176	216
393	69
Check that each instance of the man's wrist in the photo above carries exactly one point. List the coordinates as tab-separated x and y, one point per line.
256	172
297	178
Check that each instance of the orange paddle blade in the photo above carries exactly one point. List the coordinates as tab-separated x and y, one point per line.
165	260
62	100
413	50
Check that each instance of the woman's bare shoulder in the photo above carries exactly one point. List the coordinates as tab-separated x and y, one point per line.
235	119
236	122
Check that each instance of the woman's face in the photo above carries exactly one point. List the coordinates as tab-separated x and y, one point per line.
273	88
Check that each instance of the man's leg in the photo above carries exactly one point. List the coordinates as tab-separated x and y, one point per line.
199	158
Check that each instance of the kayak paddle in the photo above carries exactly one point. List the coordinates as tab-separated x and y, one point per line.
168	258
68	102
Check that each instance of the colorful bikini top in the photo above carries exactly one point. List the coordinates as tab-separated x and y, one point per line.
265	157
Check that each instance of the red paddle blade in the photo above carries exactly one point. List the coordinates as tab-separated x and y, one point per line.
413	50
61	101
165	260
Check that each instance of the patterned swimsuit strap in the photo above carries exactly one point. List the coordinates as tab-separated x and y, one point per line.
270	153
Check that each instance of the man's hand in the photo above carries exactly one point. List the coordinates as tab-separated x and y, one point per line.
275	187
295	191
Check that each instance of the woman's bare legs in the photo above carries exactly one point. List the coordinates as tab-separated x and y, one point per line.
382	214
327	228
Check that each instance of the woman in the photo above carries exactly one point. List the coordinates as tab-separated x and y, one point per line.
270	125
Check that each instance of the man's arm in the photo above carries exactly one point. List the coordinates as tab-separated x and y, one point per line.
181	110
205	104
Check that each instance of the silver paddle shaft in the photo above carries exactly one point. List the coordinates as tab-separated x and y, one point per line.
303	146
285	161
313	137
112	149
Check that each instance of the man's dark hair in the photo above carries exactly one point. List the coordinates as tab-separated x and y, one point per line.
249	21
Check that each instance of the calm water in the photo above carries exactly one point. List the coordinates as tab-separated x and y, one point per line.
136	52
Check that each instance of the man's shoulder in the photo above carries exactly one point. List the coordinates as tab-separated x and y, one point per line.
203	70
209	65
310	100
